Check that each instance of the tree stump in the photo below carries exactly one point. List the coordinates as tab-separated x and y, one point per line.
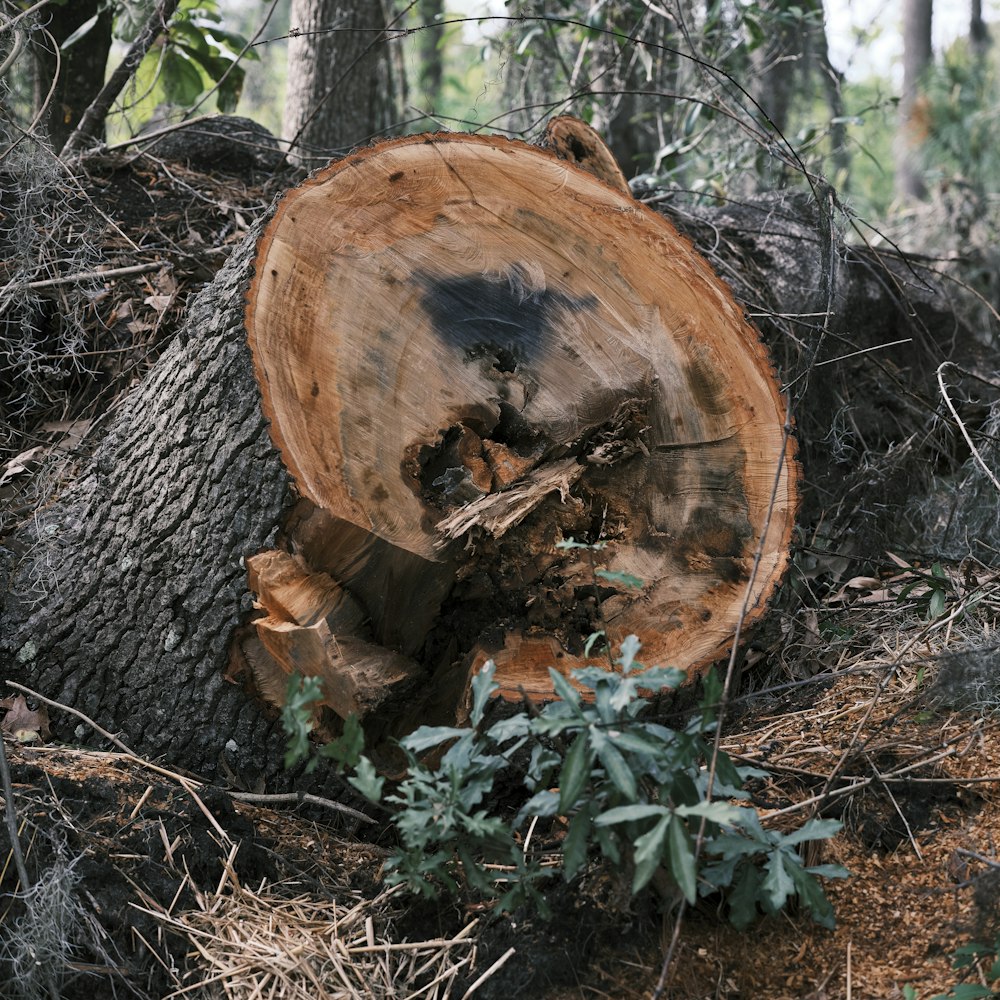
463	351
469	352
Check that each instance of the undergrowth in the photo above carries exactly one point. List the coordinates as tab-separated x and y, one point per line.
601	781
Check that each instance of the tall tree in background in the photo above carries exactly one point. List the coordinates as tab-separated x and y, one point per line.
792	56
775	62
67	80
913	123
430	12
979	34
633	76
339	77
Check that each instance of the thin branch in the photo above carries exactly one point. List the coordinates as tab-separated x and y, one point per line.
111	272
24	13
961	426
43	110
991	862
15	51
11	818
301	798
189	782
93	117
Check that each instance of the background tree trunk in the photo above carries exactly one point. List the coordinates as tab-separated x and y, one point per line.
913	111
78	71
979	33
431	12
776	63
339	80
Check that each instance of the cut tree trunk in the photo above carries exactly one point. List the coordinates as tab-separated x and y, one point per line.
465	352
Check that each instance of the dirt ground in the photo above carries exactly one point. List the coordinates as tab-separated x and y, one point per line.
148	883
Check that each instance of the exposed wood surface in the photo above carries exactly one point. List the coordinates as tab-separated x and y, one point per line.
470	350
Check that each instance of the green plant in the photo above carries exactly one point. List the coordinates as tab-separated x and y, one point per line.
196	56
930	590
970	956
611	784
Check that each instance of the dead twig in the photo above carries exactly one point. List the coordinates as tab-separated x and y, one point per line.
10	816
301	798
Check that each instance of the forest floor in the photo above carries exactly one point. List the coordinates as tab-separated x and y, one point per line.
149	883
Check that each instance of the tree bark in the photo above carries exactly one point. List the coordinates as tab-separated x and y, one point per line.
913	112
122	595
462	350
339	82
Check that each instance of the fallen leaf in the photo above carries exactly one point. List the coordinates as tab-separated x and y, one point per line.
23	723
21	463
71	433
158	302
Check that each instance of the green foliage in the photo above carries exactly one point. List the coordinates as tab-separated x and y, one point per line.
695	127
620	787
975	957
964	130
197	55
297	718
466	96
930	590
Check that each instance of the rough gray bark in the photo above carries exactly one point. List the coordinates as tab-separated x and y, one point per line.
913	123
339	85
122	595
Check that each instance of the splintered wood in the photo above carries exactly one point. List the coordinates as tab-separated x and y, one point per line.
470	350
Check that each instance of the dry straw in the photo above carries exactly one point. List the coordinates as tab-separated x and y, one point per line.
245	945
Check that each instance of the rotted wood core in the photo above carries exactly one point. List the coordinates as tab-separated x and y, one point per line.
470	350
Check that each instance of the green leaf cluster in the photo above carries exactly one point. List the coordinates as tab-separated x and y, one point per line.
933	588
196	54
616	785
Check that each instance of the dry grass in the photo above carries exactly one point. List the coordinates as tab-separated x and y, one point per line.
247	944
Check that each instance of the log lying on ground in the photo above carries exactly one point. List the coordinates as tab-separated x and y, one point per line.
470	352
465	351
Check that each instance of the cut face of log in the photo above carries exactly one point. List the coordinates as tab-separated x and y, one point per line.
469	351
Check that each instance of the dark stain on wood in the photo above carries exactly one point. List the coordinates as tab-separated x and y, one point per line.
503	317
711	392
718	533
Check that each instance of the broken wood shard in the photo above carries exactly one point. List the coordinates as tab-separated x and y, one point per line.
470	350
313	628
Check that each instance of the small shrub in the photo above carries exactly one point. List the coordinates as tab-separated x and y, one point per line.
621	787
